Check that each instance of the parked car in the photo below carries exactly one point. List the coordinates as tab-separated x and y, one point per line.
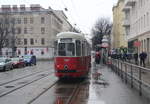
29	60
18	62
5	64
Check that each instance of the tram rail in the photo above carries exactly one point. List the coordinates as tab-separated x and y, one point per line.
7	82
37	78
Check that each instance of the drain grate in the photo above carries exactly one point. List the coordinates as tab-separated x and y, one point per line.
9	86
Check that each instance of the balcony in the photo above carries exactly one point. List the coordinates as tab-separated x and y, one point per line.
130	2
126	23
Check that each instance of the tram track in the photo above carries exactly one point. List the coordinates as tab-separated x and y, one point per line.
7	82
45	90
74	94
39	77
40	98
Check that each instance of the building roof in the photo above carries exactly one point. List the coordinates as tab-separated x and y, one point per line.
34	8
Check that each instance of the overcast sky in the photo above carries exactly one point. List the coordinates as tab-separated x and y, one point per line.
83	13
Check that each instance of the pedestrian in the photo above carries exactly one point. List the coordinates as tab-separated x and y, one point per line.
143	56
136	58
97	57
124	57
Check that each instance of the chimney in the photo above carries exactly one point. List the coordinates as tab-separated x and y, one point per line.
14	7
22	7
6	8
35	7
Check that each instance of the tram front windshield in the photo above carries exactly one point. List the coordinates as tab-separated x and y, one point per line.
66	49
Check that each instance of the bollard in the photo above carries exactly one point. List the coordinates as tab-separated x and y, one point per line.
125	73
118	67
131	77
121	71
140	82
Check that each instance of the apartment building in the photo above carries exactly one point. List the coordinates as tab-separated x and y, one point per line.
118	31
137	25
35	29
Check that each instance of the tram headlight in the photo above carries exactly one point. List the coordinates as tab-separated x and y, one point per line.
57	66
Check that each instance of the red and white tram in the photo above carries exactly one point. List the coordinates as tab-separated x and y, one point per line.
72	55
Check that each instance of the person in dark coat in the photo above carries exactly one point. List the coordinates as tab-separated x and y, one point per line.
136	58
97	57
143	56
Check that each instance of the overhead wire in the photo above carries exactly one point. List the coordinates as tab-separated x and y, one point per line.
70	13
75	9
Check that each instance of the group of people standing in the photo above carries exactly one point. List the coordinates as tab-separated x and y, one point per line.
142	56
137	57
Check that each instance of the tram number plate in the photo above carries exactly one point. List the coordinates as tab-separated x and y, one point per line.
66	60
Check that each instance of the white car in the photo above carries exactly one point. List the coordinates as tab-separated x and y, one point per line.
5	64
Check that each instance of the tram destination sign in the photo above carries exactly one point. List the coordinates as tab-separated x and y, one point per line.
66	40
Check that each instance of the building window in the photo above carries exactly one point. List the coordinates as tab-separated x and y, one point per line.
42	20
147	18
19	20
25	42
25	30
144	21
31	20
42	41
42	52
42	30
31	41
31	30
18	41
13	20
35	40
7	42
18	30
25	21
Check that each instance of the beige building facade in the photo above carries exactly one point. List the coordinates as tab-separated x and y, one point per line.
36	28
118	31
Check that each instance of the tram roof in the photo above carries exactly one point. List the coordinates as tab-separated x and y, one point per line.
70	35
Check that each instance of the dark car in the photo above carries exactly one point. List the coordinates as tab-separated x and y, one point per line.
29	60
18	62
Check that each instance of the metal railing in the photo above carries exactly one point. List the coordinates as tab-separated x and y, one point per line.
136	76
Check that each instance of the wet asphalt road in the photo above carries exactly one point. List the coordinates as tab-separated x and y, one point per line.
38	85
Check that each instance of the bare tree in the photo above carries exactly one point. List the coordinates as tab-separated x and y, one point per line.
7	32
102	27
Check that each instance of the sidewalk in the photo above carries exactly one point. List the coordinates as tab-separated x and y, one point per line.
135	73
114	92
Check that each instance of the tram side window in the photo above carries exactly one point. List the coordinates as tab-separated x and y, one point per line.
83	49
78	48
61	49
55	48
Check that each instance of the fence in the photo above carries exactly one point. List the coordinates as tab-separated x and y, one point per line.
136	76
